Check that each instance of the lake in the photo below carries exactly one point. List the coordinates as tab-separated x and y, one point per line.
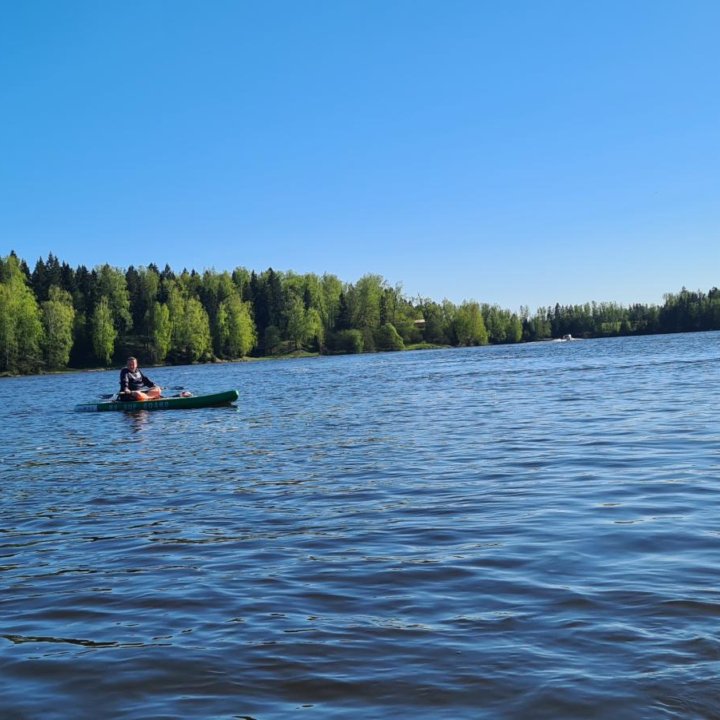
527	531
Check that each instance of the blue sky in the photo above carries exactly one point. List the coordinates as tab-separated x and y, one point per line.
518	153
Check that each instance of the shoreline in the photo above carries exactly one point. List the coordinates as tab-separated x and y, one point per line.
297	355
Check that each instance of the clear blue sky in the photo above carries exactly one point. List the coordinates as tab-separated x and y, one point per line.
521	153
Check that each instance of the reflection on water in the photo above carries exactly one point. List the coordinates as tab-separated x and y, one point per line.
137	421
515	532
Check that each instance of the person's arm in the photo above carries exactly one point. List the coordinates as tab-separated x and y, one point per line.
147	382
124	381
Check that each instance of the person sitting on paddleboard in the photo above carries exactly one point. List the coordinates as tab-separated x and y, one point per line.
132	381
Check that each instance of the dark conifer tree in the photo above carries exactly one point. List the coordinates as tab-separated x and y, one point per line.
343	321
275	298
38	281
53	271
25	270
137	306
261	304
67	278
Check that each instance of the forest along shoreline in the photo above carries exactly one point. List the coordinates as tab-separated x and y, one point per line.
57	318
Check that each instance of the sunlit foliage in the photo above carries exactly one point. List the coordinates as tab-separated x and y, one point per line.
56	316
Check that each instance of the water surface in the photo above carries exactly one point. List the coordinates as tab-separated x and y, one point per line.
504	532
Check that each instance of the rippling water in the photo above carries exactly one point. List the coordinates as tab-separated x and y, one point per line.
503	532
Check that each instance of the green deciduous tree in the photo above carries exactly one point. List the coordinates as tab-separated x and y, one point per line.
502	325
112	285
298	327
436	323
468	325
331	289
363	301
58	317
103	332
239	336
143	288
388	338
190	336
348	341
215	289
241	280
21	330
159	330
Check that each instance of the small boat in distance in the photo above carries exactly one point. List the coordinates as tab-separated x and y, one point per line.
180	402
568	337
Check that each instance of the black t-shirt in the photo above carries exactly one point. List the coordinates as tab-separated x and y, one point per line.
130	381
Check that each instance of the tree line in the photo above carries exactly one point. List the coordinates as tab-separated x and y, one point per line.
54	316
